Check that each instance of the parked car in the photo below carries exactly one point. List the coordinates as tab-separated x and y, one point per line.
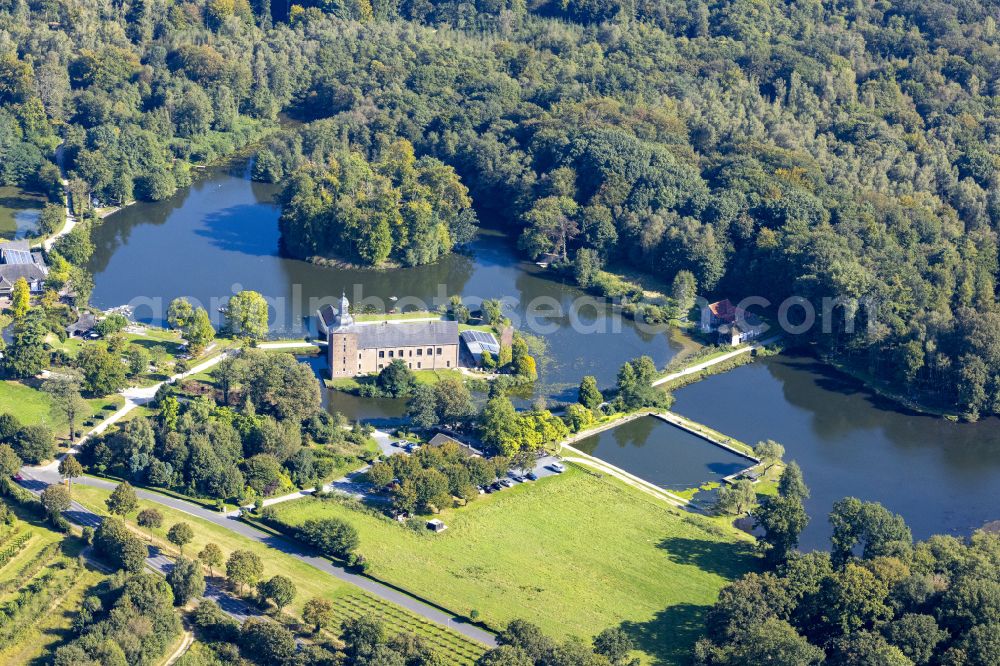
517	477
531	476
506	483
558	468
399	444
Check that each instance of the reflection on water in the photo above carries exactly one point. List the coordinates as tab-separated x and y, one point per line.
19	213
942	477
662	453
221	235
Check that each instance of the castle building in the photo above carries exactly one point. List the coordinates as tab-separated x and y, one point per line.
361	348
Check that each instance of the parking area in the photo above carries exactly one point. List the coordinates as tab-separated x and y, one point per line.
545	465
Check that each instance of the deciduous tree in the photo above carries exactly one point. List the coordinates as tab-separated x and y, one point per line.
244	567
211	556
186	580
151	519
70	468
122	500
180	534
318	612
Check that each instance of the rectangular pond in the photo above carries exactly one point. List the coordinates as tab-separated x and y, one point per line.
663	454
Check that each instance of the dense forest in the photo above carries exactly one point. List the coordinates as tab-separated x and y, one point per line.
822	149
875	598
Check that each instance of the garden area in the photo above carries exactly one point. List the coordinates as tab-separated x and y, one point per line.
574	553
42	586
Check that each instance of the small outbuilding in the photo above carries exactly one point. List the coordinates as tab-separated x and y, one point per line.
478	342
435	525
83	325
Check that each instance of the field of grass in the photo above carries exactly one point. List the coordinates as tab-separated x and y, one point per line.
575	554
30	404
348	600
33	407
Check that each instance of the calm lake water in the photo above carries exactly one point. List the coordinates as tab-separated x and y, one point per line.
944	478
19	213
221	235
663	454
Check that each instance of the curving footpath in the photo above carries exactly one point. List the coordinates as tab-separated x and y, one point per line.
38	477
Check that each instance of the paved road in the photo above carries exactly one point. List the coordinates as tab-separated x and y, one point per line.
36	478
155	560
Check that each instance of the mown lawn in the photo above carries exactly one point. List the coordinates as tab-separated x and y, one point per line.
33	407
30	405
429	377
575	554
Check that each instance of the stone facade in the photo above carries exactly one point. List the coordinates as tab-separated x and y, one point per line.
365	348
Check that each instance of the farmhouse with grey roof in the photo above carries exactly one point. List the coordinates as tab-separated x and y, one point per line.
18	261
359	348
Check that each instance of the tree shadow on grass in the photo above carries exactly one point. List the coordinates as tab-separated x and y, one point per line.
150	343
726	559
670	636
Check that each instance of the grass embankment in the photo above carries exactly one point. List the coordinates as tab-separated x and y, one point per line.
429	377
575	554
348	600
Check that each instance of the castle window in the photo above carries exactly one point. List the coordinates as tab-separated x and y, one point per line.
447	364
400	353
439	351
390	353
420	352
418	365
430	351
381	353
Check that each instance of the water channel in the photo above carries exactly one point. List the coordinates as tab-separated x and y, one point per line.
942	477
221	235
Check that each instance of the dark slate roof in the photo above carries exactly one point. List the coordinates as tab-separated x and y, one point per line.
21	245
406	334
9	273
441	438
85	322
328	313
